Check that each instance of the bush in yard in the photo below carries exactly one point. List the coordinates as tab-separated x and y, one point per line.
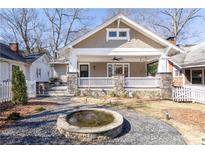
39	109
14	116
124	94
111	93
19	89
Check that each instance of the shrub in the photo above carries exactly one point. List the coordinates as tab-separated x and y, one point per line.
19	89
39	109
87	92
135	94
14	116
54	79
124	94
111	94
78	92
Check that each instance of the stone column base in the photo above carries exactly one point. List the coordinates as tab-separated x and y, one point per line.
166	85
72	81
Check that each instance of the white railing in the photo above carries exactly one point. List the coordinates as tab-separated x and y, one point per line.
31	88
137	82
6	93
95	82
189	94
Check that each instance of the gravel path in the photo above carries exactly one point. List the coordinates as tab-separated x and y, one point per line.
41	128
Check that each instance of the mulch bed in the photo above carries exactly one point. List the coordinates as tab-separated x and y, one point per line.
189	116
24	110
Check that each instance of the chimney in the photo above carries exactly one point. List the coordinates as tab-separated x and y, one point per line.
172	40
14	47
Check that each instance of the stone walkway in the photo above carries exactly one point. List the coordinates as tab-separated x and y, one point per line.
41	128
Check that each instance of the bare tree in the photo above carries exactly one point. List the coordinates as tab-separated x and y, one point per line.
166	22
65	24
175	22
20	25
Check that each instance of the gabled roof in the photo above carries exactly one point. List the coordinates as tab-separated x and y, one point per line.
7	53
194	57
132	24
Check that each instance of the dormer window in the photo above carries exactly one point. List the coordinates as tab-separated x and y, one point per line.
118	34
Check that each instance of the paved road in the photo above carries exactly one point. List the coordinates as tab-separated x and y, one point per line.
41	128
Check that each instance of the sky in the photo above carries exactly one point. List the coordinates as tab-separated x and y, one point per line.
98	16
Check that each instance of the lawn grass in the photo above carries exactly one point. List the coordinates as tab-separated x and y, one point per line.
187	118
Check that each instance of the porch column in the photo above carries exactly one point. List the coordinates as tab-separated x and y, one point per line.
165	76
163	64
166	80
73	63
72	76
118	84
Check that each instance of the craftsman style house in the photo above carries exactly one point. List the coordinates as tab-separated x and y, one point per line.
118	47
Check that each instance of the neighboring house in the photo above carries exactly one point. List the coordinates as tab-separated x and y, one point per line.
117	47
35	66
189	67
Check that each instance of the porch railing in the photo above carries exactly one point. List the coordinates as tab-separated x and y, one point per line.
95	82
108	82
142	82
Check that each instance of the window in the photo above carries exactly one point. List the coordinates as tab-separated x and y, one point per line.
112	34
123	34
84	70
196	76
126	70
117	34
118	69
38	72
110	70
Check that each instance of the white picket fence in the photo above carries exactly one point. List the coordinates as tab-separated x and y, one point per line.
6	94
189	94
5	91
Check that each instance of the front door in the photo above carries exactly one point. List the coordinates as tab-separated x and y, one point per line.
118	69
84	70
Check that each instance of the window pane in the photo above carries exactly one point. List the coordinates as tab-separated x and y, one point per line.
126	70
196	77
112	34
123	34
118	69
83	67
110	70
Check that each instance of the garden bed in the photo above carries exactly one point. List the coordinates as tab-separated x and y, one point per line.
26	110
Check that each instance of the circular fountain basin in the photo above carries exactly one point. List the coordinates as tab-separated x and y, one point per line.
90	124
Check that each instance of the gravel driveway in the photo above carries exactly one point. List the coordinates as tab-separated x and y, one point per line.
41	128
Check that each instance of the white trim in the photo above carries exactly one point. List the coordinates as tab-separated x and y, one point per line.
11	61
174	63
113	70
193	66
118	51
131	24
84	64
117	30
